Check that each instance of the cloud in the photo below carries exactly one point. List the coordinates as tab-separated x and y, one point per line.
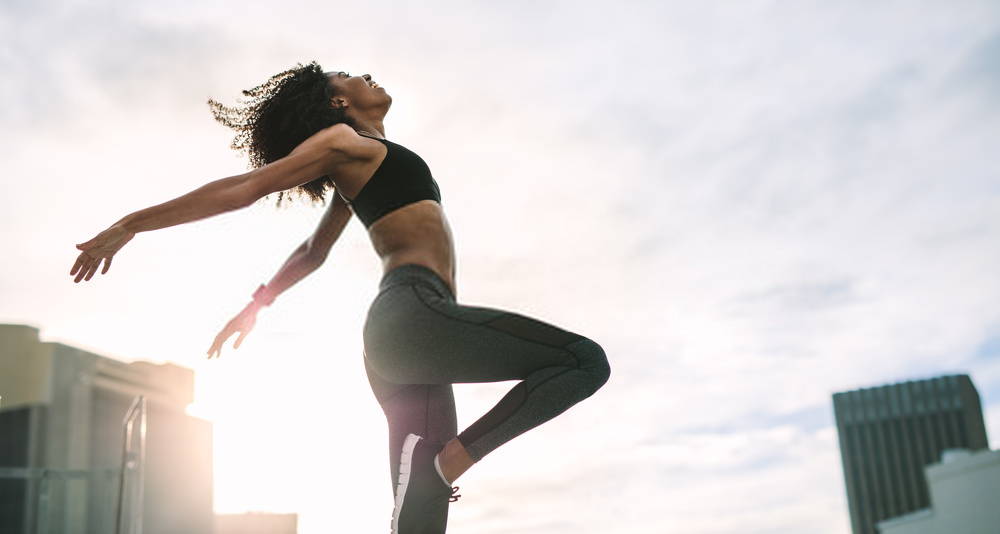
65	58
750	209
804	297
978	70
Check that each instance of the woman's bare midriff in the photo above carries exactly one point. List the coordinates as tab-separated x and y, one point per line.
416	233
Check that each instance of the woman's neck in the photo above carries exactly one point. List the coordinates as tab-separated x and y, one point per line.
372	128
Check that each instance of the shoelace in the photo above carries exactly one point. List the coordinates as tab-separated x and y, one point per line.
453	498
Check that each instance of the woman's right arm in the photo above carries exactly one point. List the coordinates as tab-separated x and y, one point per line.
305	259
312	252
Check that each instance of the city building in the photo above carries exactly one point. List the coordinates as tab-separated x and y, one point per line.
888	434
965	497
61	411
256	523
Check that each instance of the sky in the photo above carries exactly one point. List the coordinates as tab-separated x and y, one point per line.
750	205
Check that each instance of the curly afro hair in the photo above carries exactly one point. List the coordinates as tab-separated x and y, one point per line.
281	113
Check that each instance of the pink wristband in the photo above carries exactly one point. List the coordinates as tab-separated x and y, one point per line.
261	297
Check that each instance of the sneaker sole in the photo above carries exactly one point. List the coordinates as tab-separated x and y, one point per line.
406	458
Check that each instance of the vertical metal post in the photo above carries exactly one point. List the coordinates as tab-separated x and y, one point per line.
141	468
138	407
43	504
102	499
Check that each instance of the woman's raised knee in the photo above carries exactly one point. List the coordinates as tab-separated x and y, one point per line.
592	360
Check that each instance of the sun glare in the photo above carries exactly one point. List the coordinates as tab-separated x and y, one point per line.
294	431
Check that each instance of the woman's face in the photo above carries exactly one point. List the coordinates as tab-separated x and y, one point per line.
361	92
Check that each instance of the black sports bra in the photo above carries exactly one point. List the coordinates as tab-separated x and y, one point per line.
402	178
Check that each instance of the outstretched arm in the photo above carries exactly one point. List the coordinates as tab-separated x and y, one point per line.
312	252
314	157
304	260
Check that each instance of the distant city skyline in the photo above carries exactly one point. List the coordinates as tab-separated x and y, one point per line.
66	416
890	433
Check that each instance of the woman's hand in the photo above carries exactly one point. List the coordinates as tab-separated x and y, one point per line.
242	323
102	247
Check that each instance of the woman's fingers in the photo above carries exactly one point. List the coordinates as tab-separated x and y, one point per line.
239	339
220	340
100	248
92	269
217	344
79	263
237	324
84	267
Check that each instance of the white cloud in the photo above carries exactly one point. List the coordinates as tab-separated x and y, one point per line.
750	208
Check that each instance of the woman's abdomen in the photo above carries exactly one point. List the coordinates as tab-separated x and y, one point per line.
417	233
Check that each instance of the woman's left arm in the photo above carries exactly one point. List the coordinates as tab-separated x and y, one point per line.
315	157
217	197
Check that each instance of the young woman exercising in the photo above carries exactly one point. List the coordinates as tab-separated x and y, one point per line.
308	131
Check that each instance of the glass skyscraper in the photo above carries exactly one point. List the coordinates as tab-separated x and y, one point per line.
889	433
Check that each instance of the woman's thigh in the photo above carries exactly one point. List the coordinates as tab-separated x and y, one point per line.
416	335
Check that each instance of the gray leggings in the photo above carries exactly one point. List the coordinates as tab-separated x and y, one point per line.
418	341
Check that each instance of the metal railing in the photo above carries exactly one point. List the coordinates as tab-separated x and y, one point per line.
128	504
134	459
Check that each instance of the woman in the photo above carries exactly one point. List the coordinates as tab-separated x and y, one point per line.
307	131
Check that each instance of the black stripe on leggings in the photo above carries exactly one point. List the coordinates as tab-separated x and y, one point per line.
532	330
503	410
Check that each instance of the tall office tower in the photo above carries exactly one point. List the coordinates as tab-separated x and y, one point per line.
889	433
62	412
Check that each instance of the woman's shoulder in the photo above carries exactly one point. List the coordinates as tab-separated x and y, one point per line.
341	144
341	138
341	150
